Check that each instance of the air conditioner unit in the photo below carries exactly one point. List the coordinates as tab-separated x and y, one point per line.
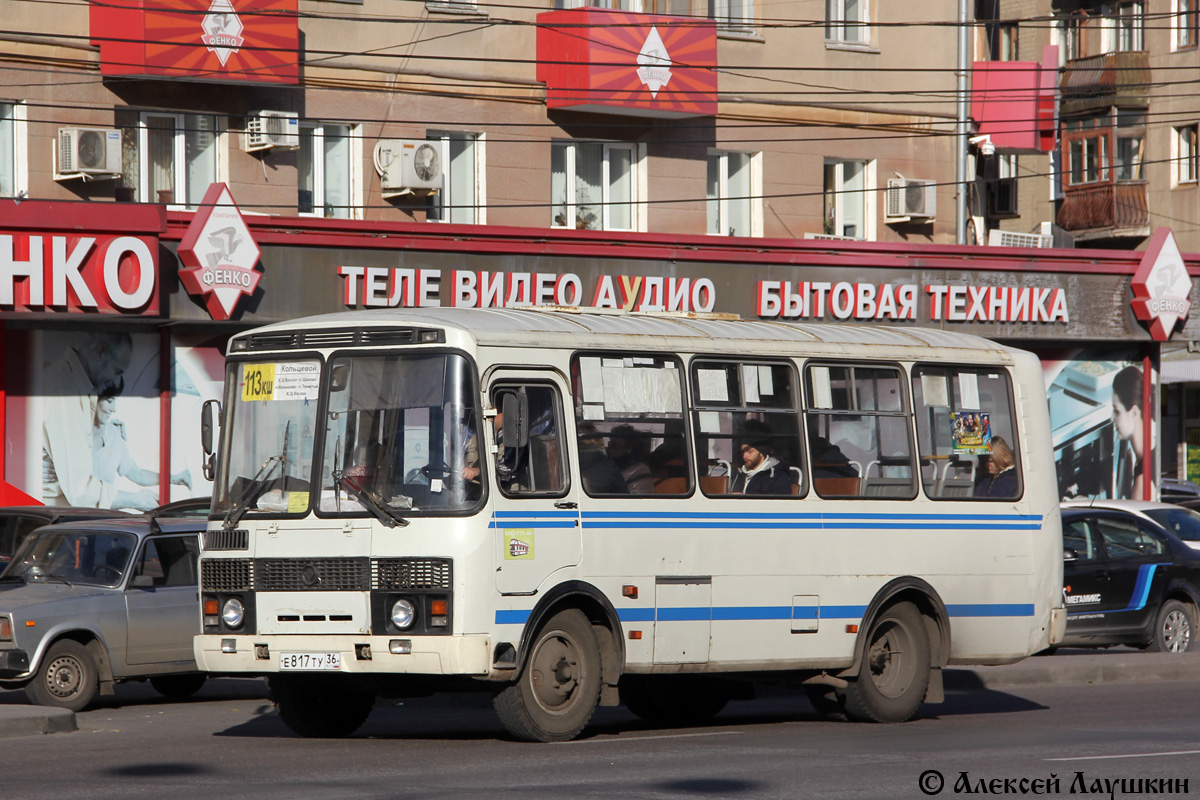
408	166
1002	199
910	198
88	153
272	129
998	238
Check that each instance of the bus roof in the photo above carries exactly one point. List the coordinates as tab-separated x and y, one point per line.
560	327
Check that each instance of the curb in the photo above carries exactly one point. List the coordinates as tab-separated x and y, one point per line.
35	720
1076	669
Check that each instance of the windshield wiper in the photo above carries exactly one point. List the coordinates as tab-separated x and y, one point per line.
384	512
252	492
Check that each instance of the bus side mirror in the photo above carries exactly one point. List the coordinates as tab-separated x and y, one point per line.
206	435
515	408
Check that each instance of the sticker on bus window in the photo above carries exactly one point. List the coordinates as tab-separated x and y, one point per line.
297	502
518	545
750	384
258	382
286	381
712	385
971	432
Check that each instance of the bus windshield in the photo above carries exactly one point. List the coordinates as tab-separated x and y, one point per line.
400	436
268	437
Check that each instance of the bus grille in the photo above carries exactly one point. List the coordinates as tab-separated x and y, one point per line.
411	573
227	540
312	574
226	574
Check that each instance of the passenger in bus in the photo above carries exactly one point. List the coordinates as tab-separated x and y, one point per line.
1001	477
761	472
828	459
627	448
600	474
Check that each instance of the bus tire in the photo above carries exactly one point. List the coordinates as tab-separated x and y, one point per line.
678	698
559	688
320	707
895	670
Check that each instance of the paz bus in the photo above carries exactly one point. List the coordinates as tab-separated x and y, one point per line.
573	508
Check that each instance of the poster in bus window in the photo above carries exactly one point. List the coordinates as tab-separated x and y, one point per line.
1097	425
970	432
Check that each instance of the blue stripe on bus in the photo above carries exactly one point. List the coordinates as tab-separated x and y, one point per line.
719	515
546	513
753	613
817	525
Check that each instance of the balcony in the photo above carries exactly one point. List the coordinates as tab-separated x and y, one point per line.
1106	211
1112	79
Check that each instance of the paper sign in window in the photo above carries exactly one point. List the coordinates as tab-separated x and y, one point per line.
934	391
710	422
750	384
592	380
766	381
712	385
968	389
822	393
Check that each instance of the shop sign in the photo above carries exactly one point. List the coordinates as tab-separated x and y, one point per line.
68	272
614	62
1161	286
382	287
220	254
254	41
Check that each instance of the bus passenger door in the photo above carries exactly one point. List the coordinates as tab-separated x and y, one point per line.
535	509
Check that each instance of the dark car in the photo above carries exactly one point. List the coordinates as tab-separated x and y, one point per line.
85	605
17	521
1127	581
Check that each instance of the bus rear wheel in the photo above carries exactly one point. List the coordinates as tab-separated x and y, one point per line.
895	670
559	688
319	706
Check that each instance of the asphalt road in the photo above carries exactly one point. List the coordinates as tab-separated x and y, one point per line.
228	742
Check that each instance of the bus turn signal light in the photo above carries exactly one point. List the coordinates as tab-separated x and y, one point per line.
629	591
851	629
635	634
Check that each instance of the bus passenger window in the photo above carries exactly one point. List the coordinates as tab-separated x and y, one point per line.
966	433
629	421
539	469
858	432
747	429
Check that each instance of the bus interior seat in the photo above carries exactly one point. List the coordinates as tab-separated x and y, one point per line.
713	484
798	479
676	485
836	487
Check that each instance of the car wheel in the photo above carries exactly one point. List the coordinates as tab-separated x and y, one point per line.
178	686
1174	628
67	677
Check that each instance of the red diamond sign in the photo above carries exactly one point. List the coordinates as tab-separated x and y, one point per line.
1162	286
220	254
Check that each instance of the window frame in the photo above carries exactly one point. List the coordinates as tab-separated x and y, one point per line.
179	165
1185	141
571	202
440	201
1096	138
839	194
1184	28
320	179
837	25
1129	18
16	157
514	384
722	199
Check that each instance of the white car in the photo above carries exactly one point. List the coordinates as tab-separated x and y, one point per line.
1183	522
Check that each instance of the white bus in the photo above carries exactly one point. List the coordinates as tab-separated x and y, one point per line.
577	508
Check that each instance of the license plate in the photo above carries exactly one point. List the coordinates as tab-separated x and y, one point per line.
304	661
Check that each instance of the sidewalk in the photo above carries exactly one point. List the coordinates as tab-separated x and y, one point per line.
1067	666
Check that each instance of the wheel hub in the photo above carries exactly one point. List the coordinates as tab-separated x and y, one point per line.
63	677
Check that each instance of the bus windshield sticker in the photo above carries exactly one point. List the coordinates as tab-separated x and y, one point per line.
971	432
712	385
822	392
968	389
750	384
934	392
592	380
258	382
297	502
766	383
297	381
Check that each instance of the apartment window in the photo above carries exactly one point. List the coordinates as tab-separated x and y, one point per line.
846	202
594	186
737	15
1071	32
1183	24
177	158
8	150
323	171
461	197
1185	154
1085	142
1002	40
1130	18
732	205
846	21
1130	145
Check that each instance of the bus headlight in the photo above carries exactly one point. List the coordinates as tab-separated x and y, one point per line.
233	613
403	614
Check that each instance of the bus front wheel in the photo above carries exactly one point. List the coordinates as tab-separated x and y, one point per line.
895	669
320	706
559	688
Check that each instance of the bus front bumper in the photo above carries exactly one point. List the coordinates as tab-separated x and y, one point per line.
418	655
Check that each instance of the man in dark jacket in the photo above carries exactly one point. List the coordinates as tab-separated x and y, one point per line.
761	472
